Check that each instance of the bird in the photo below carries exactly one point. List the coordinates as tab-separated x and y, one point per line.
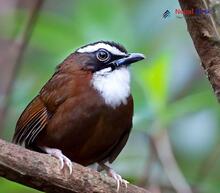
83	114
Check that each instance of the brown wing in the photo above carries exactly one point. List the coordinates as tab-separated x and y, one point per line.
32	121
37	114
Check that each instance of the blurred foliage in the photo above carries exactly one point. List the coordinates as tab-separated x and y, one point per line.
169	87
11	187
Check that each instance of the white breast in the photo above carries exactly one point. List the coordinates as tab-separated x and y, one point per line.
114	86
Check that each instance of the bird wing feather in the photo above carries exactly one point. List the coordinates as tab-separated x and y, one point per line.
37	114
32	121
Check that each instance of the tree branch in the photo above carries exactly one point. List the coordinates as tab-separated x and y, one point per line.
42	172
206	40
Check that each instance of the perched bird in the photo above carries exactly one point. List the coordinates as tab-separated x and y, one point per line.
83	114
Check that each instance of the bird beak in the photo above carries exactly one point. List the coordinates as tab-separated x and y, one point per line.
129	59
126	60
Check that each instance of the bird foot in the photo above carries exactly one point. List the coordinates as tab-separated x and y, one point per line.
119	180
64	161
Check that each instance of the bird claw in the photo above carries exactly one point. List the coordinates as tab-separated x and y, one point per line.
65	161
62	158
113	174
118	178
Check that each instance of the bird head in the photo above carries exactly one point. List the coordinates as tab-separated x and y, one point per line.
105	55
102	66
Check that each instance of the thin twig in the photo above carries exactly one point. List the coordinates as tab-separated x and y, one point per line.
165	154
16	54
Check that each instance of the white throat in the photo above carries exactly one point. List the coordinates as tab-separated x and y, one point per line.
114	86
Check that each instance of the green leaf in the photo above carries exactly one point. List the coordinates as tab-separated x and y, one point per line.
12	187
154	79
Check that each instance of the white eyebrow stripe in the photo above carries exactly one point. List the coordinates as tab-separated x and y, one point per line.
95	47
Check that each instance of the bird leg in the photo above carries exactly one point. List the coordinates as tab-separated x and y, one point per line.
113	174
57	153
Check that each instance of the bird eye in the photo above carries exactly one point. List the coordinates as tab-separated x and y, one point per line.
103	55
